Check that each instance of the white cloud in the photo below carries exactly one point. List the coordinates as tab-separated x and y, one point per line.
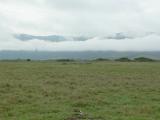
80	17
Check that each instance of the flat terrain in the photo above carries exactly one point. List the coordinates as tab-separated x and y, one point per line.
51	90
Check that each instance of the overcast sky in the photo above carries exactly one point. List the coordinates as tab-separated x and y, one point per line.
93	18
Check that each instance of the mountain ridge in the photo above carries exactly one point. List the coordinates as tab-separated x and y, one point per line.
86	55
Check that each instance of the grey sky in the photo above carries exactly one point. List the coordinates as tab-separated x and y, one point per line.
96	18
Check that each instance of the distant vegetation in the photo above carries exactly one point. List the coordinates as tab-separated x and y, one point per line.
123	59
143	59
65	60
102	59
28	60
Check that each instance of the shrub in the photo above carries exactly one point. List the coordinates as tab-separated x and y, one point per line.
143	59
28	60
102	59
124	59
65	60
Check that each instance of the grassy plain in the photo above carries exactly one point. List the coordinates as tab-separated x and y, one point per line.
49	90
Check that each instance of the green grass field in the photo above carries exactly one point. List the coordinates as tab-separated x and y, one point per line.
49	90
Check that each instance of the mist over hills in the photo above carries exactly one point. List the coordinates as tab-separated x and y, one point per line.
84	55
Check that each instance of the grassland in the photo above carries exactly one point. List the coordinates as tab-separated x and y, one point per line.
79	90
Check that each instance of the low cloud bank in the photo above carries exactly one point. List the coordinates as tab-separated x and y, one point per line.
146	43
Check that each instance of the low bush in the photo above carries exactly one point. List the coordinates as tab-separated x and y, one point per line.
143	59
102	59
124	59
65	60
